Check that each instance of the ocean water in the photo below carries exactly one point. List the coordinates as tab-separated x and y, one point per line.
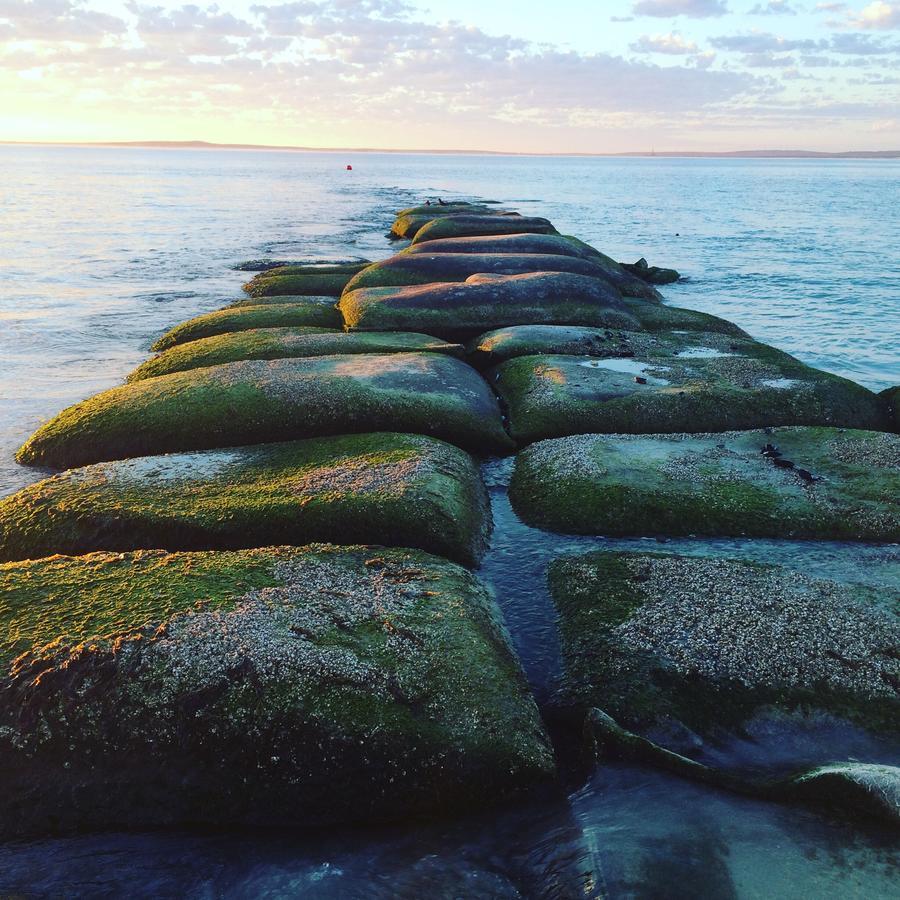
103	249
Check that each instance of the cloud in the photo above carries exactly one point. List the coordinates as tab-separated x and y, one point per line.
831	7
672	43
694	9
57	20
773	8
876	16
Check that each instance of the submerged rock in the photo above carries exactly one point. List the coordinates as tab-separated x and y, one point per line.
677	383
256	688
544	244
651	274
314	313
471	225
257	401
391	489
486	301
714	484
867	788
283	343
708	643
427	268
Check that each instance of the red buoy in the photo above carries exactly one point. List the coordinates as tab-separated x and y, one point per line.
349	168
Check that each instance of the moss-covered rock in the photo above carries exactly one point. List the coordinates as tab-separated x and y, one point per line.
427	268
501	344
708	643
267	284
660	317
677	382
849	787
544	244
280	299
256	688
258	401
486	301
409	221
890	401
304	313
284	343
392	489
841	485
470	225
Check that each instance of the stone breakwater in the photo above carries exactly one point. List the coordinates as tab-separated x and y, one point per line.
249	594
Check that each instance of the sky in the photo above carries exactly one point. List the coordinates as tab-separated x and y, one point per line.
552	76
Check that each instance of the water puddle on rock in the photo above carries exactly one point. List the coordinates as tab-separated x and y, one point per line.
701	353
781	384
627	367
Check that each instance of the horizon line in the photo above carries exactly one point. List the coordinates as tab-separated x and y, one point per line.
211	145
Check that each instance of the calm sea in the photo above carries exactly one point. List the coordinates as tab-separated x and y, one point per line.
103	249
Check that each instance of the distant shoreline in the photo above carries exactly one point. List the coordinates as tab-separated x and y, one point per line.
668	154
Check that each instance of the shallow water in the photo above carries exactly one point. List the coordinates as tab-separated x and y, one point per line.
104	249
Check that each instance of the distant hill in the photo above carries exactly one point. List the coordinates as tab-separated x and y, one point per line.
695	154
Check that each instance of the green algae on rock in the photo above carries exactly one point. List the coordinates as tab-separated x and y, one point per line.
486	301
477	225
501	344
284	343
677	383
826	484
409	221
406	269
543	244
256	688
323	281
392	489
302	313
708	643
258	401
661	317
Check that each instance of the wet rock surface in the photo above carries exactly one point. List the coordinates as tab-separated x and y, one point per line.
391	489
715	484
677	383
302	687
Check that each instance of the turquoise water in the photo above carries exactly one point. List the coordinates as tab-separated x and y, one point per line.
103	249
